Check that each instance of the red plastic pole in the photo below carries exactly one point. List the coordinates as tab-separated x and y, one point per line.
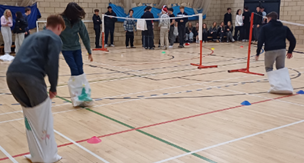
250	39
201	52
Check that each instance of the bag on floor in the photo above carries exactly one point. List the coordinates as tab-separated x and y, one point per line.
175	32
141	25
40	133
279	81
80	91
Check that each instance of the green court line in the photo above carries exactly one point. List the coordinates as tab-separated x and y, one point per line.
145	133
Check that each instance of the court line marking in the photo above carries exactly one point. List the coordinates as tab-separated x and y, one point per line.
82	147
156	124
231	141
8	155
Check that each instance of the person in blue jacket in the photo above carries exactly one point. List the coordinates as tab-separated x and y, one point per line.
25	16
182	25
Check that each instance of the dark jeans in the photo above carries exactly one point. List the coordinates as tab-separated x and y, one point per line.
214	35
28	90
129	37
97	34
222	34
171	36
205	36
246	31
74	60
142	39
181	34
148	38
107	30
238	29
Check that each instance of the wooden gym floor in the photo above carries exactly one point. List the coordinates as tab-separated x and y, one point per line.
152	106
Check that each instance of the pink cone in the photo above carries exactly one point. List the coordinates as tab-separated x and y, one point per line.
94	140
242	46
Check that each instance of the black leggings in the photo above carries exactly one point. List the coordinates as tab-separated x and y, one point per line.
237	30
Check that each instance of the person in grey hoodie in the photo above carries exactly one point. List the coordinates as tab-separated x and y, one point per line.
164	26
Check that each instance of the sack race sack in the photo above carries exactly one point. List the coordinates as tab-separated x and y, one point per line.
279	81
80	91
175	32
40	133
141	25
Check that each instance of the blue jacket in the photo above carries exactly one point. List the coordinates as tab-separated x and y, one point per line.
26	20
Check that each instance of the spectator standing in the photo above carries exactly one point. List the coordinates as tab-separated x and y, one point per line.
109	26
257	21
6	24
19	30
129	25
97	22
148	34
238	25
182	25
264	19
25	16
246	26
171	32
228	16
164	26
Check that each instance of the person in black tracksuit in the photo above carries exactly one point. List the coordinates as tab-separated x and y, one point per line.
228	16
274	35
110	25
97	22
246	21
148	34
257	22
182	26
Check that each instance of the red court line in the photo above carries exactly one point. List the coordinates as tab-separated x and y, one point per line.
161	123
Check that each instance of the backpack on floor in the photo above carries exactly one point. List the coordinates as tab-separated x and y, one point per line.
279	81
40	133
80	91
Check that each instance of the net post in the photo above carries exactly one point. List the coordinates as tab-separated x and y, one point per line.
102	36
246	70
200	65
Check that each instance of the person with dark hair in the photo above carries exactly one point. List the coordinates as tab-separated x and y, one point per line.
38	56
71	48
257	21
25	16
228	16
246	26
181	25
274	35
19	30
238	25
97	22
109	26
222	31
229	31
171	32
205	33
148	34
190	30
143	35
213	31
129	26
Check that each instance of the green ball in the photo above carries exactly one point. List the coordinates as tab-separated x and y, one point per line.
164	52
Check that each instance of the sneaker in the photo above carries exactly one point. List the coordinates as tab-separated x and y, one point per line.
127	47
105	45
233	40
133	47
112	45
217	41
244	40
180	46
197	41
170	47
151	48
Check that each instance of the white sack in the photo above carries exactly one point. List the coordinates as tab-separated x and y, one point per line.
80	91
175	32
141	25
7	57
40	133
279	81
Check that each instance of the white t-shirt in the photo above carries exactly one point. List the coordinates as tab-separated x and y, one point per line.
238	20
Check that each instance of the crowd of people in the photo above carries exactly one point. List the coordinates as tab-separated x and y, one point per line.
21	29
